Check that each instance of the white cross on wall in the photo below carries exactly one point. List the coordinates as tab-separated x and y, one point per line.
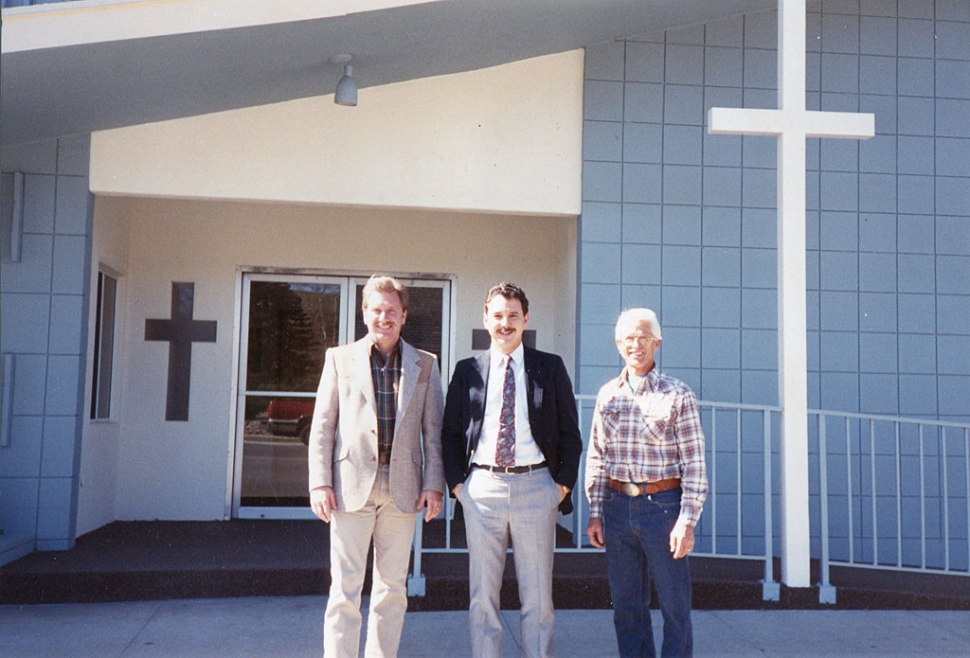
791	123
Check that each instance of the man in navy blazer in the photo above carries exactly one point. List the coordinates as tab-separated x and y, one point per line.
511	448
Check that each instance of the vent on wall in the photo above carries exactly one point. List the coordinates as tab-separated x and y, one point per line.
12	216
6	398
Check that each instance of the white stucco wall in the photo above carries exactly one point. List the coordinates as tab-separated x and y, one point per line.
97	486
474	176
178	470
505	139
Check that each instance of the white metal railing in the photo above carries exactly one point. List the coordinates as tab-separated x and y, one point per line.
738	519
897	491
887	493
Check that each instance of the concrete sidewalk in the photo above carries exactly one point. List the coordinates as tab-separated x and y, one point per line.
292	626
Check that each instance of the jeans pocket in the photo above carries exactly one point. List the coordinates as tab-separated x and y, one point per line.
670	511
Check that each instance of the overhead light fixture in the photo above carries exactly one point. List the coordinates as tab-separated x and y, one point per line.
346	93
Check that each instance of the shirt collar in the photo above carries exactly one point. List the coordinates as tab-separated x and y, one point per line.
652	376
375	351
518	354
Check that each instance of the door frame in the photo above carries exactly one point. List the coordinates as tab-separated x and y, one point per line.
348	282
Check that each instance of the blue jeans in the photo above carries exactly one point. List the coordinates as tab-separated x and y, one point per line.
637	533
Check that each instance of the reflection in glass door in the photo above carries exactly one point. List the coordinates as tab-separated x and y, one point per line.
288	323
423	328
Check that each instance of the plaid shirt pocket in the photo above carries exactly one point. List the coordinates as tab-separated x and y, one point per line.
655	413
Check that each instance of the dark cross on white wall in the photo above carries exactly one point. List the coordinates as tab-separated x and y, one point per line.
791	123
180	332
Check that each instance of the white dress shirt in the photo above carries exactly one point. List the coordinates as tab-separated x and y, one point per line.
526	450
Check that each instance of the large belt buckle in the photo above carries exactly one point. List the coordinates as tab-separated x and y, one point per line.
631	489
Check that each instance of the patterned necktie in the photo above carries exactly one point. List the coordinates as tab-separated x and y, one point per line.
505	450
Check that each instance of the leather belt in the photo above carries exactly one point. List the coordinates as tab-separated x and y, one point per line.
512	470
384	458
634	489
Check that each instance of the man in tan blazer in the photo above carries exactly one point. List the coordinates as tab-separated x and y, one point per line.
375	461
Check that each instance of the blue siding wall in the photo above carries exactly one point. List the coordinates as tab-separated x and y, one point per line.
43	320
684	222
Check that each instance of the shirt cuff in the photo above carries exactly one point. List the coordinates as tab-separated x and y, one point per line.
689	514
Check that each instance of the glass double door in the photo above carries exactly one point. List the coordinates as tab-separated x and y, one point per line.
287	323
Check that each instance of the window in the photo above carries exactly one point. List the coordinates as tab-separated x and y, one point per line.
104	341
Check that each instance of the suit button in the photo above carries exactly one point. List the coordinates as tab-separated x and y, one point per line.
373	459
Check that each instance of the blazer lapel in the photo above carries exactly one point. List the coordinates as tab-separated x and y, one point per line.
534	378
476	398
410	372
362	374
483	362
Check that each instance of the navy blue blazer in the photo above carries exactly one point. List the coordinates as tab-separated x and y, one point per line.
552	417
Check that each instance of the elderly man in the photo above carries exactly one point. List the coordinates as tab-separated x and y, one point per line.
646	481
375	461
511	445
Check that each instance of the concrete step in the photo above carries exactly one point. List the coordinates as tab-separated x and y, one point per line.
132	561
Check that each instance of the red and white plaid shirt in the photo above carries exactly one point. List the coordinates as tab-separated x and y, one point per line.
652	434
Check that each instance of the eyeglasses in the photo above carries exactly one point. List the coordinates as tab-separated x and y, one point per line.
638	339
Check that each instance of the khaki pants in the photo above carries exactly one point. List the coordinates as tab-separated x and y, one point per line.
350	536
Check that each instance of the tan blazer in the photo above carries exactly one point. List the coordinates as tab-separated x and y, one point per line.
343	436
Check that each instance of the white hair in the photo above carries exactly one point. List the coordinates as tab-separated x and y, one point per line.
633	317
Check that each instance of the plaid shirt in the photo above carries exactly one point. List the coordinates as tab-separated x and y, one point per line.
387	379
644	436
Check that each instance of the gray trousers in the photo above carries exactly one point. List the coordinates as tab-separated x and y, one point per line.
524	508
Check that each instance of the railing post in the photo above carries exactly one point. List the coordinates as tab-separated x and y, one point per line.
739	485
874	501
579	507
712	479
899	497
848	489
416	581
826	593
922	501
945	494
578	492
770	589
966	463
